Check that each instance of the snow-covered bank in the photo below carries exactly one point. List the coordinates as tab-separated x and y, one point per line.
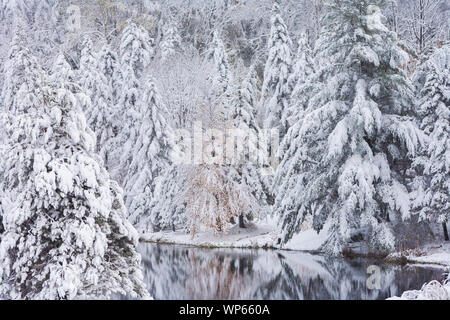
436	254
429	254
265	235
430	291
262	235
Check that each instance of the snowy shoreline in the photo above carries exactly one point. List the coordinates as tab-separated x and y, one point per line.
264	236
430	254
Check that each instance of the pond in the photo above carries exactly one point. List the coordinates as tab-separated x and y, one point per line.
181	272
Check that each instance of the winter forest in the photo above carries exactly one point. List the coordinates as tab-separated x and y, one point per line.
319	129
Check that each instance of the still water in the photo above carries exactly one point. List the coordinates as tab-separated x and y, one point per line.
180	272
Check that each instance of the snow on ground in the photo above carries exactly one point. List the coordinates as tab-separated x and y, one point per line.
262	235
428	254
308	240
437	254
265	234
433	290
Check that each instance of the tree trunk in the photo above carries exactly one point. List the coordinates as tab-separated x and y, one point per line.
444	227
241	221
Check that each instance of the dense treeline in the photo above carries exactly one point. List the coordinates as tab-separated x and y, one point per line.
127	117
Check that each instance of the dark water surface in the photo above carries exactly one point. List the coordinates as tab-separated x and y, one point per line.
180	272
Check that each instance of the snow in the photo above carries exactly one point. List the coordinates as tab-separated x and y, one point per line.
430	291
435	253
264	234
308	240
256	236
431	254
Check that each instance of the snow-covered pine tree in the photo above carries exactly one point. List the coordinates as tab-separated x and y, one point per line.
303	68
136	52
14	80
168	206
431	199
136	48
303	64
95	85
67	235
151	154
275	91
347	161
63	74
171	41
244	108
46	32
108	118
223	74
110	67
248	163
129	119
11	10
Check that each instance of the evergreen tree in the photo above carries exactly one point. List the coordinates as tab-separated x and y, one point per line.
348	158
109	66
303	65
248	163
136	49
168	206
223	77
63	74
298	82
275	90
170	42
100	108
150	154
431	200
67	235
129	118
45	31
12	9
17	82
136	52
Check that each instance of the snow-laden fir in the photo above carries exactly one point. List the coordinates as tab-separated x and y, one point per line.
357	135
275	91
66	235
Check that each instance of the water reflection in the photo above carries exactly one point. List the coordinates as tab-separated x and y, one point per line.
178	272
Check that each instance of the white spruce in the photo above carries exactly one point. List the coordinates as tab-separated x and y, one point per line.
101	106
347	160
151	154
275	92
430	198
136	48
171	41
67	236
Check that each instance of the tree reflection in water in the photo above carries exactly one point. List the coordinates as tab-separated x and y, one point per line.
179	272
